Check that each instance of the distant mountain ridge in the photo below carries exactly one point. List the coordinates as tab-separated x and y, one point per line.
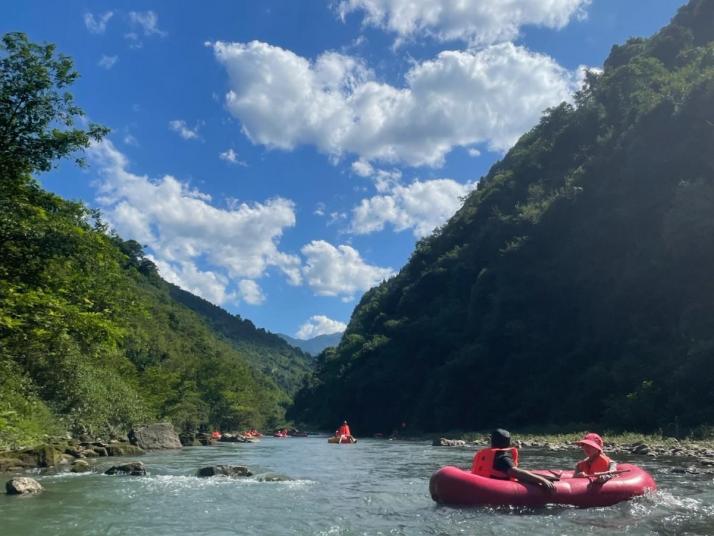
315	345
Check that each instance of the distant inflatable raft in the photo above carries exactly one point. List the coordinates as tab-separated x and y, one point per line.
334	439
454	486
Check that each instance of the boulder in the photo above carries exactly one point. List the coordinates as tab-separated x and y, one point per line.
188	439
155	436
443	442
75	452
224	470
100	451
204	439
130	468
640	448
80	466
9	464
22	485
232	438
48	456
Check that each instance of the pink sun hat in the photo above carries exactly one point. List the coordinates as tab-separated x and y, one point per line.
591	439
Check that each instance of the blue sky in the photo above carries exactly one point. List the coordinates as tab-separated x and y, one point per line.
281	157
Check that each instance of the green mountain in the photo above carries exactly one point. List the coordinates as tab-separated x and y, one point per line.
91	338
270	353
574	286
314	345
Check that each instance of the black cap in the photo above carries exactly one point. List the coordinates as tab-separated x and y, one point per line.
500	438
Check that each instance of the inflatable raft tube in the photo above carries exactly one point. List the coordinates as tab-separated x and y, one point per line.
334	439
454	486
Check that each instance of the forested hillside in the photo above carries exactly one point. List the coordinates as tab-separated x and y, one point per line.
91	338
574	286
266	351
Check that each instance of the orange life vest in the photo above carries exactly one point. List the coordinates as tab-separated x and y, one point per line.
599	465
483	462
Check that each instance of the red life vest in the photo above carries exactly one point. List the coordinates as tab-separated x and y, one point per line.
345	430
600	464
483	462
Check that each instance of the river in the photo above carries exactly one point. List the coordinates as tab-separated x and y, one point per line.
374	487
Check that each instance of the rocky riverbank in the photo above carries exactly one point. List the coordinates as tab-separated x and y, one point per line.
76	454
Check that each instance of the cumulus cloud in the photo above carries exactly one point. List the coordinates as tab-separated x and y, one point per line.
182	129
422	206
183	229
459	98
251	292
339	271
319	325
383	179
97	24
210	285
107	62
474	21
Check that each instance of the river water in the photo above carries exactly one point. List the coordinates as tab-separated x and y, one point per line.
373	487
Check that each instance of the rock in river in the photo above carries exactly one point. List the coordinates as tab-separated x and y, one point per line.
224	470
22	485
131	468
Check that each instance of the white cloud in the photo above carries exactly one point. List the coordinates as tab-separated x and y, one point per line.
473	152
147	21
319	325
383	180
107	62
231	157
422	206
460	98
339	271
211	286
98	24
478	22
183	229
251	292
182	129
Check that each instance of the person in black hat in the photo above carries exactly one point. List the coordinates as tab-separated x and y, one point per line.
500	460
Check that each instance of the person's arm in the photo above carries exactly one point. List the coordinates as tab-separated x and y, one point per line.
531	478
604	478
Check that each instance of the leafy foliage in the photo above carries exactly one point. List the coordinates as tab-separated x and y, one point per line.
37	114
574	286
91	338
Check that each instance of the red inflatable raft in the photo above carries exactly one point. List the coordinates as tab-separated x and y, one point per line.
451	485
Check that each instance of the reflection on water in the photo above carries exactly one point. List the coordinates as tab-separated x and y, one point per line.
373	487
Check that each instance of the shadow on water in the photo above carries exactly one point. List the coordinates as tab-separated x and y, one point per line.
373	487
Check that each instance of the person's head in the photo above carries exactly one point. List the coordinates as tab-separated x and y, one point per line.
500	439
344	422
591	444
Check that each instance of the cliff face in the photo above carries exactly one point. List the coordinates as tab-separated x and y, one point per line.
574	285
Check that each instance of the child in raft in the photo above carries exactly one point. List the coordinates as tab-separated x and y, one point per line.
596	461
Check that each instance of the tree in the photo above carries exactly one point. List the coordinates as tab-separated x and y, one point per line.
37	115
